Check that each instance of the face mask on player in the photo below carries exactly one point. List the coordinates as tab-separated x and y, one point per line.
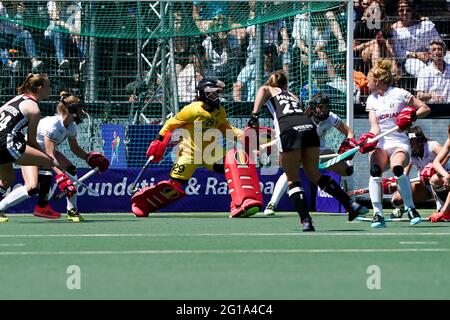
322	112
74	110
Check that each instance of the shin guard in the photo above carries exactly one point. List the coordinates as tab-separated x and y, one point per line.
243	183
150	199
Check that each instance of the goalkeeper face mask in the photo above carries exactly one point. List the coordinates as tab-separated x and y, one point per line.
322	112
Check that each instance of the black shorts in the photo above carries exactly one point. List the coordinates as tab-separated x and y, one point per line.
299	137
12	147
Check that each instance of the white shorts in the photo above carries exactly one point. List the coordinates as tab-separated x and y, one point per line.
392	146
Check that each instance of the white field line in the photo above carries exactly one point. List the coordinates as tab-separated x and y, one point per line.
218	251
418	242
12	244
292	234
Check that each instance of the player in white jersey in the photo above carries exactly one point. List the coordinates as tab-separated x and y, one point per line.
424	151
441	182
388	107
324	119
51	132
18	113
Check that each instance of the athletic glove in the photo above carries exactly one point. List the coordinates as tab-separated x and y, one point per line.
426	173
158	146
347	144
254	121
97	160
66	185
389	185
367	147
406	117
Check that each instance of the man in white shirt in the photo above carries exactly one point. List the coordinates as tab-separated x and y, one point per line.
433	83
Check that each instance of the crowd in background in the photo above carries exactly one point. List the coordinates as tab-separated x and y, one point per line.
395	29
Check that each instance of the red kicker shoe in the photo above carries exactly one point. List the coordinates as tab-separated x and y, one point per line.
46	212
440	217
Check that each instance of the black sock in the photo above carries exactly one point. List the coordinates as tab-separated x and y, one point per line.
327	184
45	182
441	193
297	196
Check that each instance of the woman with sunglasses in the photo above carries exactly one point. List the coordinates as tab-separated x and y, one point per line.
51	132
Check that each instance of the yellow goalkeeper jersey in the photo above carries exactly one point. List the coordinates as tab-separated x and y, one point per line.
195	122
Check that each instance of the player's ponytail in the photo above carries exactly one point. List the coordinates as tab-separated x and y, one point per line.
32	83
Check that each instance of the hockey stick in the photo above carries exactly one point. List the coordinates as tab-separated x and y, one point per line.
80	182
328	156
358	192
351	152
133	185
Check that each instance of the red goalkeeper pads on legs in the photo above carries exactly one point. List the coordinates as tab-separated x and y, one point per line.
243	183
150	199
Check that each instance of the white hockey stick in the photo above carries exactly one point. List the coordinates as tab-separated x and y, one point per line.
351	152
80	182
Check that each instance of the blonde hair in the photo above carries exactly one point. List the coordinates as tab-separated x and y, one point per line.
382	71
33	83
66	99
278	79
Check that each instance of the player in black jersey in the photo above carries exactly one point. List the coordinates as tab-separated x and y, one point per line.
18	113
299	145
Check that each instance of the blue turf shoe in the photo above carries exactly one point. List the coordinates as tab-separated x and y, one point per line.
414	216
378	222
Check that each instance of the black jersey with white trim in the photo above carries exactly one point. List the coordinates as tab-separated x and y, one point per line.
12	120
286	110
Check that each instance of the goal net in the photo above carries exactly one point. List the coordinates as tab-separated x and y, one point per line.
137	63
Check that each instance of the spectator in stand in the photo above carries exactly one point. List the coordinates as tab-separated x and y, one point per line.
433	83
189	77
321	36
20	35
244	89
222	56
358	9
272	30
65	17
411	36
374	25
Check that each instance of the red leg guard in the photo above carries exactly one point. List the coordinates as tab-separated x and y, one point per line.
150	199
243	183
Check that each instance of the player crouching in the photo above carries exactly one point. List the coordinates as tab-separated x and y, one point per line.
203	114
441	183
51	132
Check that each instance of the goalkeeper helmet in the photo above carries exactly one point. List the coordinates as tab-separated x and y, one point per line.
417	140
209	91
319	106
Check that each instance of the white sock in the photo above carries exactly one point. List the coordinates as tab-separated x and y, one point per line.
376	195
279	190
14	197
404	188
72	201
